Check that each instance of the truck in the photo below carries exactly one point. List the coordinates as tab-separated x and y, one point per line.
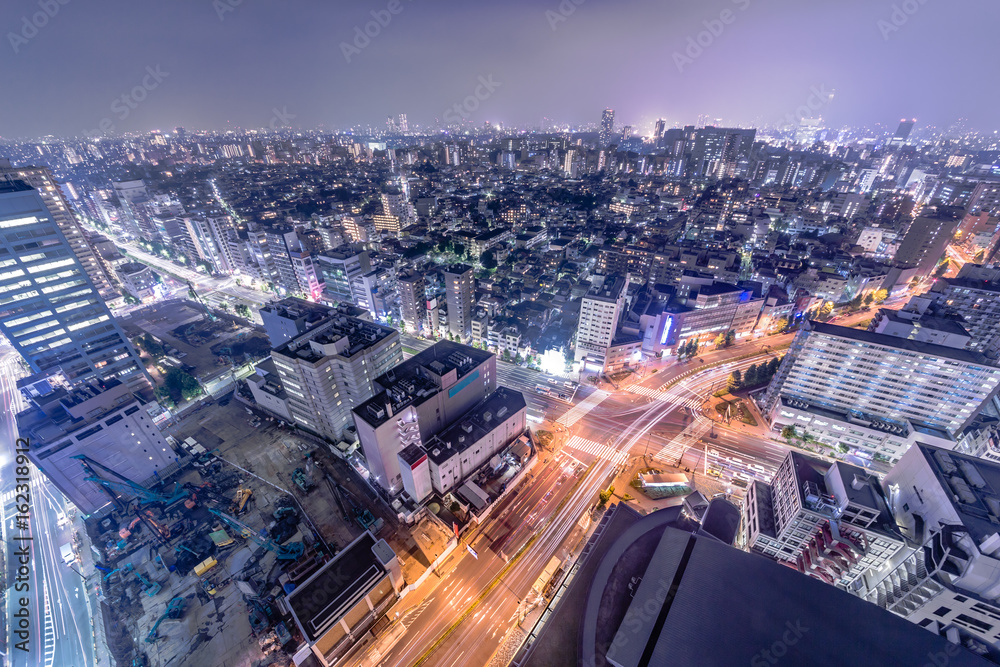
541	585
66	551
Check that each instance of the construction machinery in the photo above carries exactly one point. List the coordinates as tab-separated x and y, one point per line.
290	551
240	500
175	609
152	587
123	486
301	481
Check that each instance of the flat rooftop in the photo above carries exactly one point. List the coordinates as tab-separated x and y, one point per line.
929	349
974	505
756	602
415	380
475	424
323	598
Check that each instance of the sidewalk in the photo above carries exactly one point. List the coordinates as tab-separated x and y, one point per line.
92	578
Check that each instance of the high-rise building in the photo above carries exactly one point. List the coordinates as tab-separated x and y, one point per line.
459	289
829	520
626	133
291	317
50	311
607	127
601	310
973	295
418	399
42	180
927	238
329	370
338	268
413	301
133	197
877	394
721	152
902	132
948	506
658	129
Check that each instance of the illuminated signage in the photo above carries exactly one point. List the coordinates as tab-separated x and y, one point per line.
668	324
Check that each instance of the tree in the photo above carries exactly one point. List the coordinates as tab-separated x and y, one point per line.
855	303
488	260
788	432
720	341
730	337
517	358
735	380
772	366
843	448
825	310
181	384
750	377
781	324
980	256
880	296
694	347
942	268
243	310
606	495
869	298
459	249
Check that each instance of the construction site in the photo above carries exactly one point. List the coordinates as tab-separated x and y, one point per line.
196	570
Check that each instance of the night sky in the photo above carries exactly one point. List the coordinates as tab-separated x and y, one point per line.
937	63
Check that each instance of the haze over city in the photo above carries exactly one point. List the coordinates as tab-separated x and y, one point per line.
230	63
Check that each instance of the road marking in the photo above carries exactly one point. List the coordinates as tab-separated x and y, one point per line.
597	449
665	396
580	410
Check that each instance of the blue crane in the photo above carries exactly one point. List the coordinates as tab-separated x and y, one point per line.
175	609
290	551
123	483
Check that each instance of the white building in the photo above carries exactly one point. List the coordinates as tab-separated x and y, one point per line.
877	394
948	504
600	313
330	369
828	520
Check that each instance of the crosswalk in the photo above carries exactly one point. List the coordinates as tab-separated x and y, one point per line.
597	449
666	396
674	450
580	410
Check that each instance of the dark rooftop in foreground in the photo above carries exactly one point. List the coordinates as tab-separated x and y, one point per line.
702	602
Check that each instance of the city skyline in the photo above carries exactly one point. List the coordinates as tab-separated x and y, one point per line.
453	63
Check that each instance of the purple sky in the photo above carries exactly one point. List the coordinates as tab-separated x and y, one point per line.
937	63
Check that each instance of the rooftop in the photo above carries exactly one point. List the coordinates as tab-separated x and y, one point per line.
321	600
475	424
972	486
929	349
348	335
418	378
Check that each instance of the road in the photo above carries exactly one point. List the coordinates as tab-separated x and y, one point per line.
61	631
600	430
